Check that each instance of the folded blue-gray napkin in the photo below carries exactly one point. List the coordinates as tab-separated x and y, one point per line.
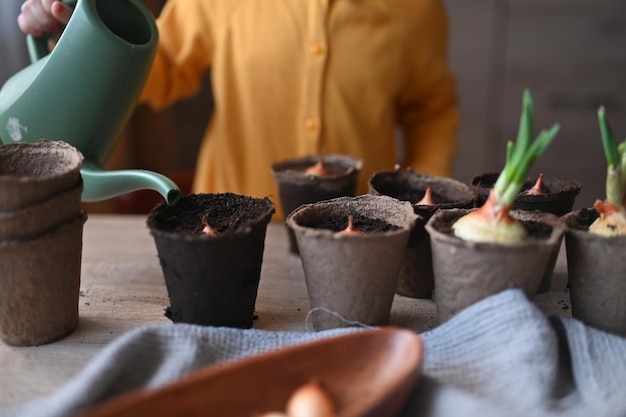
499	357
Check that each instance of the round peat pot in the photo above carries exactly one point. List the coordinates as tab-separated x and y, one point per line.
36	219
596	267
211	278
467	272
30	173
558	197
297	187
416	276
40	284
351	278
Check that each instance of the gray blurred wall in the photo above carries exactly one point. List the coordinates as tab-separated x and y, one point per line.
13	53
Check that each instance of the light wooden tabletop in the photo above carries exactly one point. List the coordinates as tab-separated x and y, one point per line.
122	288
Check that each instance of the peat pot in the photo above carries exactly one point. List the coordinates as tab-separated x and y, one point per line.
416	276
41	225
558	198
596	267
297	187
351	278
31	173
40	285
210	247
466	272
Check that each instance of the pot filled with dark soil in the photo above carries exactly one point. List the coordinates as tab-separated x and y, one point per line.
210	247
351	272
596	267
40	284
416	276
314	178
467	271
557	195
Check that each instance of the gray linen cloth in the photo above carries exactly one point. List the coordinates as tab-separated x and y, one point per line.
499	357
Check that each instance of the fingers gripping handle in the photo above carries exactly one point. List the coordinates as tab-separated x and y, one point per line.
38	45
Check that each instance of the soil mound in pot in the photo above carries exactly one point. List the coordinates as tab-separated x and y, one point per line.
416	277
297	187
227	212
212	279
558	197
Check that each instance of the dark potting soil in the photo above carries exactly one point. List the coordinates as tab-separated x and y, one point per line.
402	189
487	181
537	230
362	223
585	218
551	185
331	169
413	196
226	213
411	187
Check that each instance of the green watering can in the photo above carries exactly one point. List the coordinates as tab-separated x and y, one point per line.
85	90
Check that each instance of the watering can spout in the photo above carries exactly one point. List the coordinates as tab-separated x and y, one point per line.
101	184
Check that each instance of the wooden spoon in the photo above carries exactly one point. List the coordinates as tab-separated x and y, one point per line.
367	374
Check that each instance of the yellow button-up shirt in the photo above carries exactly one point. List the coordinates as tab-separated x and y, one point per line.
298	77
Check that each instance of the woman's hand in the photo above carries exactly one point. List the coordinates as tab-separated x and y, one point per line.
39	16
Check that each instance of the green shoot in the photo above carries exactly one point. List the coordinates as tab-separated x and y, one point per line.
612	211
492	222
522	154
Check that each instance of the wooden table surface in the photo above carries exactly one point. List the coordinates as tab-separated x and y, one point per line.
122	288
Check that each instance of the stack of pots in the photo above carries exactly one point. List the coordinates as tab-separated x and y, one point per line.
41	225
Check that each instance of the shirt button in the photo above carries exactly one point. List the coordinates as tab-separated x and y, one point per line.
318	49
311	124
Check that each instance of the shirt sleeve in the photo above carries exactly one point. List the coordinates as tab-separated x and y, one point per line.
428	110
184	53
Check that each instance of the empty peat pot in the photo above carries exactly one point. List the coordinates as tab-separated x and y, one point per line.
416	276
30	173
351	278
40	285
210	247
466	272
596	267
41	225
297	187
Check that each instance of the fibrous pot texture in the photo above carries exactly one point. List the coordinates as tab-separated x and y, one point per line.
296	187
35	219
40	283
352	278
212	279
416	276
466	272
32	172
596	267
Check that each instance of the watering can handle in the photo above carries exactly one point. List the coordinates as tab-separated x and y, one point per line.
38	45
